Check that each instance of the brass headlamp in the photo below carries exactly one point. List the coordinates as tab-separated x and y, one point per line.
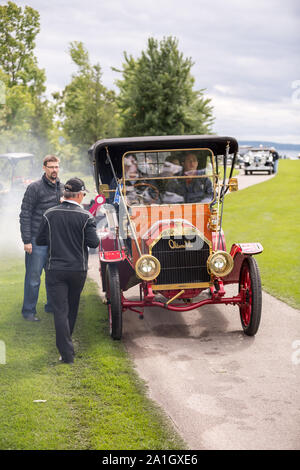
220	263
147	267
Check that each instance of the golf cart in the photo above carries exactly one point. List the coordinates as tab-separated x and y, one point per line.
16	171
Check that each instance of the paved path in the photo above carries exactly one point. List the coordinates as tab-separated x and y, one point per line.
221	389
244	181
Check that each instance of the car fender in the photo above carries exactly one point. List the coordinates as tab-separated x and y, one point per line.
240	251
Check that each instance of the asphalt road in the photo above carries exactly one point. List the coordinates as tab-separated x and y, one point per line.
221	389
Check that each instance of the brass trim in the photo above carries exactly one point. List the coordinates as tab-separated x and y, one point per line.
175	296
193	285
180	230
233	184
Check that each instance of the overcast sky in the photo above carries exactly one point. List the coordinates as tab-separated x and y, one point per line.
245	52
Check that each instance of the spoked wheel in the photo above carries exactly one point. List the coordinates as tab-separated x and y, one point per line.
250	288
114	303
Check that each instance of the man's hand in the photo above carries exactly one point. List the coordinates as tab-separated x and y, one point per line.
28	248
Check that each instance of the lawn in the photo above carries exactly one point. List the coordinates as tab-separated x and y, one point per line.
97	403
269	213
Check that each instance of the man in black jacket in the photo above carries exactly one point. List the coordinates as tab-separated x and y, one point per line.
68	230
39	196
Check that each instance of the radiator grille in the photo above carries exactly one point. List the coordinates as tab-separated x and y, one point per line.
180	265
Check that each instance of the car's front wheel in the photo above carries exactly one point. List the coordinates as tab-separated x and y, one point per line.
250	288
114	302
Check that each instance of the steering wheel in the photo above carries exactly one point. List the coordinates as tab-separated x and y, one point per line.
151	186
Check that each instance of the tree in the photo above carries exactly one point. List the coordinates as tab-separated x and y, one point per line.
26	115
156	93
18	30
86	107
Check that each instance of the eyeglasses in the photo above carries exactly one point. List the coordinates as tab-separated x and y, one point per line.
52	167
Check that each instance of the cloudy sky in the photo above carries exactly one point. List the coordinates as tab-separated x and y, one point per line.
245	52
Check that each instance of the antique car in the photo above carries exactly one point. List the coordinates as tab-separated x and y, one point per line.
160	206
258	159
16	172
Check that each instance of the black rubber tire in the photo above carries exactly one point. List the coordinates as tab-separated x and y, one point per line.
114	306
250	314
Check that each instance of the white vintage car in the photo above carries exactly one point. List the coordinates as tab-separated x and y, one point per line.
258	159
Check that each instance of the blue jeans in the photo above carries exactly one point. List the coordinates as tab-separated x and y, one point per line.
34	265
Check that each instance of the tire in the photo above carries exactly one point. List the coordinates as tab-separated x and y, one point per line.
250	312
114	302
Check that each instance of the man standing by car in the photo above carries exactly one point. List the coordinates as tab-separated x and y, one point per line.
68	230
39	196
275	156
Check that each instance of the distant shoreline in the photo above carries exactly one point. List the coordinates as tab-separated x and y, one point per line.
277	145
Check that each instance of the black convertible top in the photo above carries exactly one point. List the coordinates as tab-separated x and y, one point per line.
118	146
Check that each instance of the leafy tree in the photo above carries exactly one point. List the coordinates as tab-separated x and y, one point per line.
18	30
26	115
156	93
87	109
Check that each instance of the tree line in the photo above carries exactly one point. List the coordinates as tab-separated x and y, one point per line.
155	95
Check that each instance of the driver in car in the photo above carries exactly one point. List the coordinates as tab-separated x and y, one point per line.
192	189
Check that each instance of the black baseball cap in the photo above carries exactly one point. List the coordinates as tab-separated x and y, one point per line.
75	185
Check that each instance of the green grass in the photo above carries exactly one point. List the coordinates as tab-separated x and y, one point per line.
269	213
97	403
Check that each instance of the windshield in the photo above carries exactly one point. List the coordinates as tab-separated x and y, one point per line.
258	154
14	172
168	177
23	168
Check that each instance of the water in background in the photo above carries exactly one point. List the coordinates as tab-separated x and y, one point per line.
293	154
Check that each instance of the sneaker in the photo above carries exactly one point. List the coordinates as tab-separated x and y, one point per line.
31	318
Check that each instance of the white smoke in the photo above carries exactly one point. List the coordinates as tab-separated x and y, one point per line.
10	235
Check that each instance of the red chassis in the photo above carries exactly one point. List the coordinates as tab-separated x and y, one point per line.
111	252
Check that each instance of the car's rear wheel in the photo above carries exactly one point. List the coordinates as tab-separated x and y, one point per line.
114	301
250	288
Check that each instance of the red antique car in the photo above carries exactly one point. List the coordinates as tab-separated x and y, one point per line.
160	209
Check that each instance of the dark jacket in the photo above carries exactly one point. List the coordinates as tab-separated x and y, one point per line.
192	190
68	230
39	196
